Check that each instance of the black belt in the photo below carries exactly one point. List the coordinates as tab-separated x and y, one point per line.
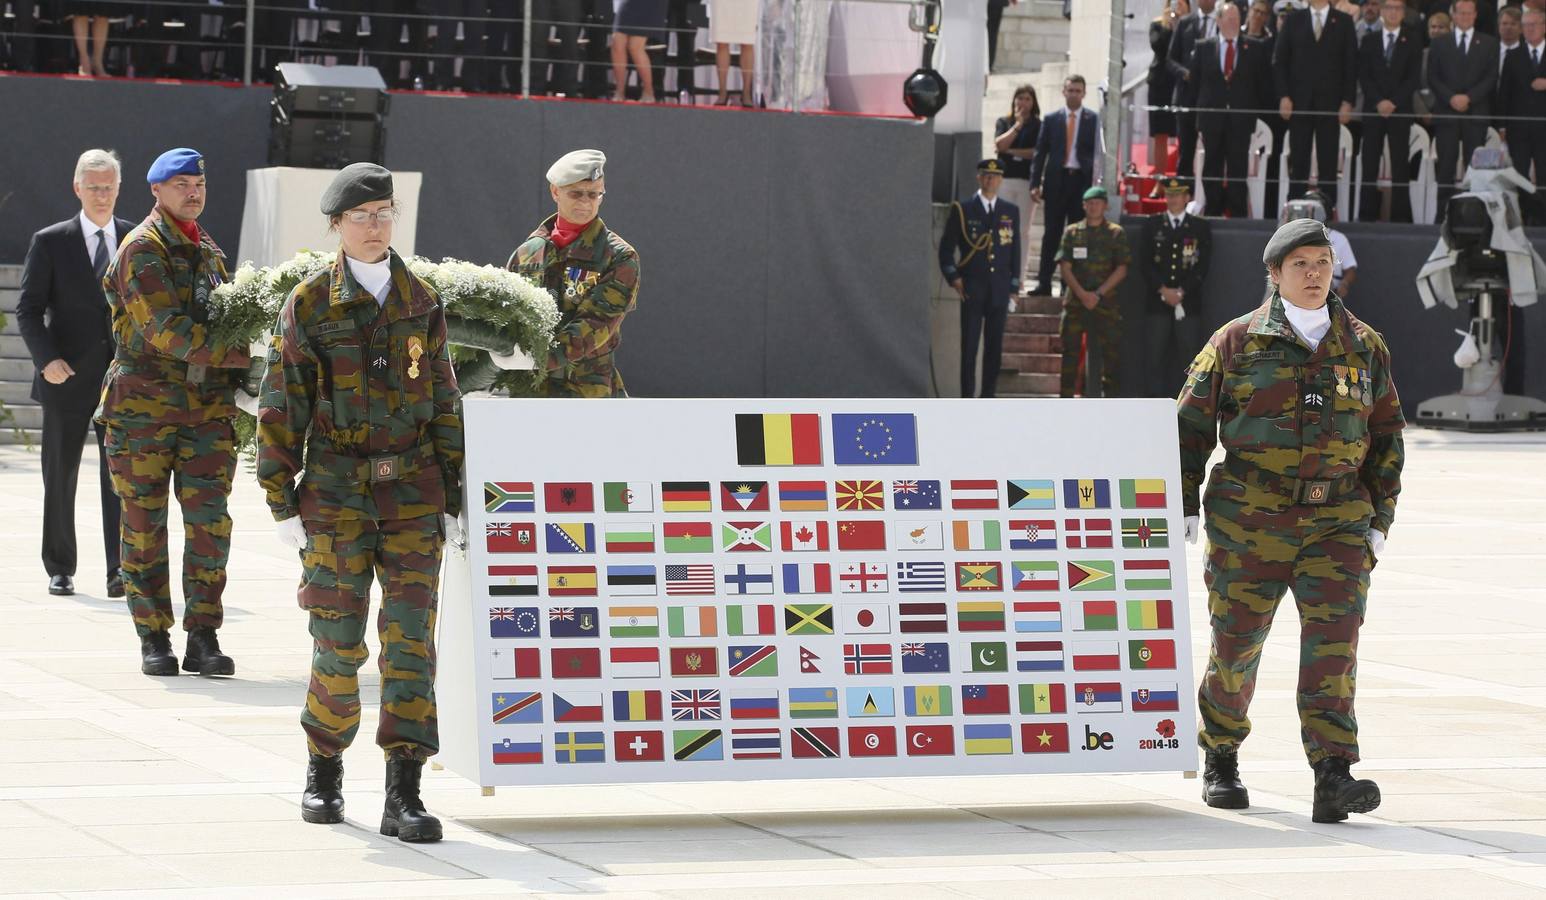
1310	492
338	468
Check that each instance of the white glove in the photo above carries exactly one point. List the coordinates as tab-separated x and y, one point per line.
1469	354
258	349
1189	528
291	532
1180	312
516	359
456	535
1376	542
246	403
1012	305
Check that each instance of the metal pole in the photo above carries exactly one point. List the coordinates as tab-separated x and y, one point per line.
252	18
794	79
526	52
1113	112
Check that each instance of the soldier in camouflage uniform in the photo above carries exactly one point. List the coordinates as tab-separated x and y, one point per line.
361	403
1093	259
592	272
168	407
1300	393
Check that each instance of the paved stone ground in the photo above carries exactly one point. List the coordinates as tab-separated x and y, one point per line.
115	785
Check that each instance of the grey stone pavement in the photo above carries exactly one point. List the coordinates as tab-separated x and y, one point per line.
117	785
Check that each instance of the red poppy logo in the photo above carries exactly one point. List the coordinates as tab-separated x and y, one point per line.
1166	728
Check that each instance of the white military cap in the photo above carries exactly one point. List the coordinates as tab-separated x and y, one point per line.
577	165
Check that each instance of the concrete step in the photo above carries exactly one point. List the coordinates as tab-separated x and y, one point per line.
1029	363
23	417
1031	323
31	437
1029	384
9	297
1020	342
12	345
16	393
1038	304
10	277
14	369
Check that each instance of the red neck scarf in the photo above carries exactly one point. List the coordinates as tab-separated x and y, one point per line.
190	230
565	232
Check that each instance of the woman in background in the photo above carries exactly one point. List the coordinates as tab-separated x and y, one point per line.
1014	138
1162	122
734	22
638	22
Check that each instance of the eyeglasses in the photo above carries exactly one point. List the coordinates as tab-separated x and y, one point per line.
102	189
577	196
380	217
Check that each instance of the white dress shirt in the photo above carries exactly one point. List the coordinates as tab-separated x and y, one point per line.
987	205
1468	36
89	230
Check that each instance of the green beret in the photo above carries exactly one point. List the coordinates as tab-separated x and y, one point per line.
1095	193
355	184
578	165
1292	235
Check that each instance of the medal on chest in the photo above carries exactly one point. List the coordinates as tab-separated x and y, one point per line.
415	350
577	281
1006	233
1340	373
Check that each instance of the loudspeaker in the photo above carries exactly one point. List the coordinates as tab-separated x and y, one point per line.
327	116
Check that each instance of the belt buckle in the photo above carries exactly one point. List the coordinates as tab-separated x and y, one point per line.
196	372
1316	492
383	468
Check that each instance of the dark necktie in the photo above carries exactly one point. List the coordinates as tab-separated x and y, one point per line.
99	259
1390	45
1462	44
1535	57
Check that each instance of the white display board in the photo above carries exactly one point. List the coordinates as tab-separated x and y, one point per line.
281	217
683	590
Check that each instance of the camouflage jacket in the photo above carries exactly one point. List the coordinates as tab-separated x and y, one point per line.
596	281
1283	409
361	402
165	369
1094	253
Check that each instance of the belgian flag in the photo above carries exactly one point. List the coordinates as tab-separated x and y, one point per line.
778	439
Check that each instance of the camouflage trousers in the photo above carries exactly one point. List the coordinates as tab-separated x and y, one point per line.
1259	547
338	564
147	462
1103	326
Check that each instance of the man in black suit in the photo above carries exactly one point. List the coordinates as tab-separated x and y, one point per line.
979	255
1174	258
62	277
1524	94
1071	138
1462	72
1231	74
1390	70
1199	26
1314	69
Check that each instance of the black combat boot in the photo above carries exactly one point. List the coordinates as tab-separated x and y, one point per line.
203	654
322	803
1221	785
1338	793
404	817
156	656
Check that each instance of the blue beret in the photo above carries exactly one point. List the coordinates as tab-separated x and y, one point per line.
178	161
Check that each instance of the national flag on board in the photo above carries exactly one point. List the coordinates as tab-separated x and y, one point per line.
576	706
1142	534
750	619
979	576
571	581
573	621
911	495
748	579
802	496
635	662
870	702
1034	575
513	581
1097	615
872	740
813	703
516	662
685	496
814	743
694	706
1149	615
576	662
1096	656
568	497
1097	697
989	656
866	618
510	537
1038	656
514	753
631	581
929	657
571	537
867	659
513	622
687	537
1155	698
985	699
746	537
1086	493
969	493
638	746
698	745
993	739
627	496
1043	737
1037	616
752	661
923	618
630	537
509	497
1033	534
980	615
1146	574
515	707
927	700
1031	493
756	743
1142	493
874	438
579	747
807	578
1092	575
975	535
1151	653
691	621
694	662
856	535
799	535
743	496
778	439
930	740
920	577
863	578
757	703
859	496
1087	534
690	580
919	535
1042	699
636	706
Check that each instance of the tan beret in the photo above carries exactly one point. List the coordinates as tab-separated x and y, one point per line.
578	165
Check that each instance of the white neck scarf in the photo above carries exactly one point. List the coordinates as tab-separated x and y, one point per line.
374	277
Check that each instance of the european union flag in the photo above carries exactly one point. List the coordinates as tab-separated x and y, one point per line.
860	439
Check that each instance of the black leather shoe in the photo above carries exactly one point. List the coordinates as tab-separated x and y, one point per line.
203	654
156	656
322	803
1221	785
61	586
1338	793
115	584
404	817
